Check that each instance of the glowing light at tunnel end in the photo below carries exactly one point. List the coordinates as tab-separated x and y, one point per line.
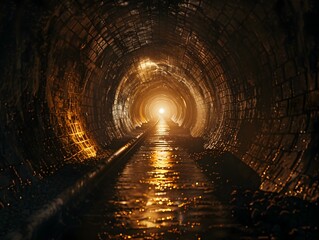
161	111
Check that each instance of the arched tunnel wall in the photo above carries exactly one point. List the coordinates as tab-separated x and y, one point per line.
241	74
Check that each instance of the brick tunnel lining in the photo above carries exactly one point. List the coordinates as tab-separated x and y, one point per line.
246	72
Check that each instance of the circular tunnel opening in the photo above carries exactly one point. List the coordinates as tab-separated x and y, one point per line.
148	86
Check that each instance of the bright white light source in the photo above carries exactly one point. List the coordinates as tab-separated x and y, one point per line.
161	110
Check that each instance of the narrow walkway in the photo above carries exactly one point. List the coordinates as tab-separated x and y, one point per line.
160	194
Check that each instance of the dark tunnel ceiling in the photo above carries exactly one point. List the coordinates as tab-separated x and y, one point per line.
240	74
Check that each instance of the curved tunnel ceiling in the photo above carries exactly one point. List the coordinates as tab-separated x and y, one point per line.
241	74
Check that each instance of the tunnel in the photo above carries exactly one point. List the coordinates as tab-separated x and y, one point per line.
77	75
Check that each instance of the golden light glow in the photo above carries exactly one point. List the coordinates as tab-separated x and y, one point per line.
79	137
147	64
162	178
64	107
161	106
161	110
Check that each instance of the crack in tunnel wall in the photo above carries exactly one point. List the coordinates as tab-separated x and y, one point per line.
241	74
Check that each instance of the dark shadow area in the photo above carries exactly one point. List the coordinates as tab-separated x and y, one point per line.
46	189
272	215
236	172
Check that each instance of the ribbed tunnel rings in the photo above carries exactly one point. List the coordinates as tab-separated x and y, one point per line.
240	74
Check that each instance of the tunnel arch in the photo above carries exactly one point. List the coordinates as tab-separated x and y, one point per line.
242	74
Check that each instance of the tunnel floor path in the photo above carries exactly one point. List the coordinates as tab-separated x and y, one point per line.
160	194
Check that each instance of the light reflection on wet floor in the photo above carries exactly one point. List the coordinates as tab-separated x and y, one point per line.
163	194
160	194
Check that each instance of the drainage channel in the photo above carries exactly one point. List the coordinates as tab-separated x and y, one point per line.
160	193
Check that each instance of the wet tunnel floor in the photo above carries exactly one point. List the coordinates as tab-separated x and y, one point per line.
161	193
